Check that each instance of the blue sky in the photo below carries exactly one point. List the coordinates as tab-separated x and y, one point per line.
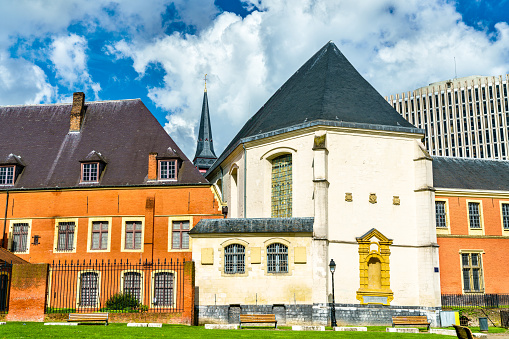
159	50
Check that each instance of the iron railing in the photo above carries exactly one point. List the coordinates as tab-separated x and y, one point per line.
122	287
5	284
475	300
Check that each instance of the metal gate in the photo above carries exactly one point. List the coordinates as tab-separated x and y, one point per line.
5	282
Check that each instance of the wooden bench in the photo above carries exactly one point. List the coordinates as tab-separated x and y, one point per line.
258	318
411	320
463	332
88	317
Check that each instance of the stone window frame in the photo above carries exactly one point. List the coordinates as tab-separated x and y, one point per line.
78	289
87	179
75	240
481	281
505	231
264	259
447	229
159	170
475	231
11	234
170	232
89	234
5	168
152	288
122	241
142	282
247	257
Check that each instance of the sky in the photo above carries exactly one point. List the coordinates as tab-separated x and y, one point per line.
160	50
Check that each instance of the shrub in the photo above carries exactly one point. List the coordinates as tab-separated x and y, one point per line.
122	301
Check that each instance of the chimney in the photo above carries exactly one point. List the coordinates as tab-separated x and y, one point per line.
77	111
152	166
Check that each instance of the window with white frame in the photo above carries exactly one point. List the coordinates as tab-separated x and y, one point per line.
277	258
99	235
180	234
132	284
167	169
474	215
471	265
234	259
19	237
89	283
441	220
7	175
505	216
133	235
163	289
66	236
90	172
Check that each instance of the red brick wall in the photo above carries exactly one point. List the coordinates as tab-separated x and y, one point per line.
28	292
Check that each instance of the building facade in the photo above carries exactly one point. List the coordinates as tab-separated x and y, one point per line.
358	172
465	117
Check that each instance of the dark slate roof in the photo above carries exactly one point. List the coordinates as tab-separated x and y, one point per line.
466	173
254	225
205	155
123	133
326	88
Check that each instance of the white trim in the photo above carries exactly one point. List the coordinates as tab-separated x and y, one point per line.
170	233
75	238
122	242
89	235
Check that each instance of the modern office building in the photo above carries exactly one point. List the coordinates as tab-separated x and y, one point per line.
465	117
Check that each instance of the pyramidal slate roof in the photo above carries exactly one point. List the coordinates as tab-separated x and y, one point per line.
119	133
467	173
326	90
205	156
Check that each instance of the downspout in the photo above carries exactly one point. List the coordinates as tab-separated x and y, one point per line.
222	197
245	179
5	219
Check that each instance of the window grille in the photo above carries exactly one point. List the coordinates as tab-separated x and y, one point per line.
6	175
282	186
472	272
66	236
473	214
132	284
180	234
90	172
133	235
88	288
167	169
505	216
99	235
440	214
19	237
234	258
277	258
163	289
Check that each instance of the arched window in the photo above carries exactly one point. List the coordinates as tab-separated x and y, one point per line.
234	259
163	289
282	186
132	284
277	258
88	289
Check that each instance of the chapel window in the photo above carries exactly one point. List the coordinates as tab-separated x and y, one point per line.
234	258
282	186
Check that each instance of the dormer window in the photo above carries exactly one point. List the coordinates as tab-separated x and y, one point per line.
7	175
168	169
90	172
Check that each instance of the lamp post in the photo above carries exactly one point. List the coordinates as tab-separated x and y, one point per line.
332	266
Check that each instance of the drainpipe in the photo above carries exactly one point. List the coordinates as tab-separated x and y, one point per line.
5	218
222	197
245	179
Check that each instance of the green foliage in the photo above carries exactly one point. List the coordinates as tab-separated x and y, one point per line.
60	310
123	302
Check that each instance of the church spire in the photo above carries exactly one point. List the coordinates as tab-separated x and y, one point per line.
205	156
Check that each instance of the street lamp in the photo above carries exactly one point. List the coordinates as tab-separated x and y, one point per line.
332	266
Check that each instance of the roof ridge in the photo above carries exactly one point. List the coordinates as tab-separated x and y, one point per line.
70	103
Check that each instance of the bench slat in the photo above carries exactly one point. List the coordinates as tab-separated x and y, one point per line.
92	317
258	318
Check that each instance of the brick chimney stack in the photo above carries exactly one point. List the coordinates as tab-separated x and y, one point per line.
77	111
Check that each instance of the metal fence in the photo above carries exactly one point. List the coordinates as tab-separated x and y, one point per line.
475	300
122	287
5	284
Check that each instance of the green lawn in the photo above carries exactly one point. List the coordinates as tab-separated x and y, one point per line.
38	330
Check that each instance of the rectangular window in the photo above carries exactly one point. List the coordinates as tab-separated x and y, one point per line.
66	236
168	169
440	214
472	272
180	234
99	235
505	216
473	215
163	289
88	289
133	233
19	237
6	175
90	172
